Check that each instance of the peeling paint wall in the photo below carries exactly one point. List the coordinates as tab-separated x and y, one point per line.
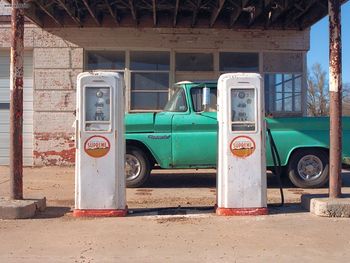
56	64
58	59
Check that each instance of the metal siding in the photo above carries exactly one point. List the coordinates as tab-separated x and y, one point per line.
27	108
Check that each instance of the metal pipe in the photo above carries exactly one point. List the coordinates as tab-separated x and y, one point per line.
335	92
16	100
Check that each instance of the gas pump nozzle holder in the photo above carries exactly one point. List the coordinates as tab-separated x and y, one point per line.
100	146
241	173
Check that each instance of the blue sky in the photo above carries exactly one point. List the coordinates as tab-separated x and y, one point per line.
320	43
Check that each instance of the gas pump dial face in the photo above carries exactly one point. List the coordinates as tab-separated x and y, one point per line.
243	109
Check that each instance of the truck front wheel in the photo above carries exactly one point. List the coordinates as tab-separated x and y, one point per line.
137	167
309	168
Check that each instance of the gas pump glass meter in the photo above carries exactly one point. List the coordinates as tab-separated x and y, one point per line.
243	109
97	108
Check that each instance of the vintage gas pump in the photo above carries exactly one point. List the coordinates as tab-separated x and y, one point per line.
241	173
100	146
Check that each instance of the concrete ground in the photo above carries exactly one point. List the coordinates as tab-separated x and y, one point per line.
288	234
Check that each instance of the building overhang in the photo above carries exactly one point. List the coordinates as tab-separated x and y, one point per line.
234	14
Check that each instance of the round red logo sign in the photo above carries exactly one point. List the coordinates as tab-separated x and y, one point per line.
97	146
242	146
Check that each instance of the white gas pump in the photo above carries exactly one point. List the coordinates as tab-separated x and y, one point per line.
100	146
241	173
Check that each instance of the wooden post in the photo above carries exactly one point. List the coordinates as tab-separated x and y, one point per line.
335	94
16	100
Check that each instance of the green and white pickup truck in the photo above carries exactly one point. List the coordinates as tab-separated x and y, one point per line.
184	135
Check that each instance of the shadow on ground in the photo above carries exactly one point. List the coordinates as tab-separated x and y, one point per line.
193	180
202	180
53	212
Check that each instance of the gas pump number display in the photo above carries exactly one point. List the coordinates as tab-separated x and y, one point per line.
243	109
97	108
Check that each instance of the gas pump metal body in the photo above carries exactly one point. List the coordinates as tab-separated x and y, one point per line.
241	173
100	145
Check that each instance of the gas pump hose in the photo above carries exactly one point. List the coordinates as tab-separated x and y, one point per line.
277	171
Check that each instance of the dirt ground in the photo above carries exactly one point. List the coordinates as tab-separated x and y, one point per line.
288	234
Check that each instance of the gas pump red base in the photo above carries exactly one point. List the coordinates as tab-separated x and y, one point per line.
241	211
100	212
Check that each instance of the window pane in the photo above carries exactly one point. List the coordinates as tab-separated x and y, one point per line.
148	100
288	83
197	94
278	78
239	62
278	88
4	106
177	102
149	60
297	102
194	61
149	81
105	60
297	83
288	101
278	102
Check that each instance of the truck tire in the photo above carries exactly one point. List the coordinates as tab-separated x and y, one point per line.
309	168
137	167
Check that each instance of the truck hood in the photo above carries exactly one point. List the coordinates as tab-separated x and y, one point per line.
139	122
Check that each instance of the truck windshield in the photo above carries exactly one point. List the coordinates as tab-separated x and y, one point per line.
177	102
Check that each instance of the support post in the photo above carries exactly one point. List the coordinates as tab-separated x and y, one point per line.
335	92
16	100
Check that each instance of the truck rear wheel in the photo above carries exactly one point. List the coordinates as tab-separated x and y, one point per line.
137	167
309	168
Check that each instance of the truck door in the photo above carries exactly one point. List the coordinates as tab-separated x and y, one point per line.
195	133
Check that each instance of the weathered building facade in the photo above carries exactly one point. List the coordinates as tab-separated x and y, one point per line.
151	59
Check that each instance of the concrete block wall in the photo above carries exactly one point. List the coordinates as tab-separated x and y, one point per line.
58	59
56	64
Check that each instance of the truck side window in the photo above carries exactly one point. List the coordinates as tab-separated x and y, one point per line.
196	96
177	102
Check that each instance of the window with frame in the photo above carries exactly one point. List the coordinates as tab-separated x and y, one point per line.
239	62
197	99
101	59
194	62
283	93
149	79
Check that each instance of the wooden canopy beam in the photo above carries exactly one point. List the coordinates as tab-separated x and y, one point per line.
32	15
195	12
216	12
292	17
175	12
237	12
259	9
47	11
133	10
154	7
67	9
278	8
91	12
114	13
